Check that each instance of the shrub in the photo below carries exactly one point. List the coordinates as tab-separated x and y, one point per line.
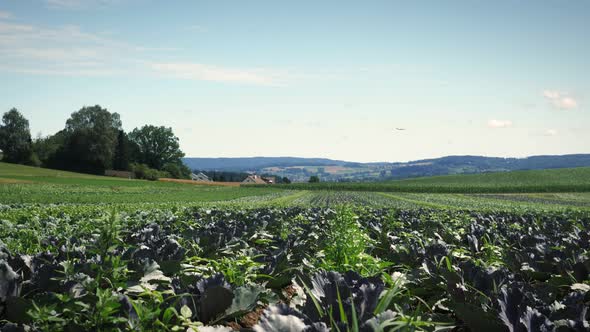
177	170
142	171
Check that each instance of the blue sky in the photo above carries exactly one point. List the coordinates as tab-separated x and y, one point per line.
310	78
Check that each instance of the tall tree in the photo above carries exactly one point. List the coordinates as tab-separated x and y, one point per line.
15	138
91	139
157	146
122	156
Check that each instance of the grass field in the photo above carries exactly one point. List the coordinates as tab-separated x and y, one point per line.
29	185
537	181
22	184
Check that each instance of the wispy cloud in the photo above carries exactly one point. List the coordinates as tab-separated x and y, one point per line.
50	50
62	71
64	3
499	124
6	29
560	100
204	72
69	50
77	4
5	15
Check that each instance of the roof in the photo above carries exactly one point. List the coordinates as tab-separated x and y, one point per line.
254	179
199	177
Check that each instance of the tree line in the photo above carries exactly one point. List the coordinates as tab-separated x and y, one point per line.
93	141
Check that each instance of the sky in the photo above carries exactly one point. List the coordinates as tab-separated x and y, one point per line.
311	78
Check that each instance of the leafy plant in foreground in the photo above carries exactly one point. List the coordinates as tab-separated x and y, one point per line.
345	244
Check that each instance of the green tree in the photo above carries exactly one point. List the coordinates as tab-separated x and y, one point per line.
285	180
157	146
122	156
91	140
15	138
45	148
314	179
177	171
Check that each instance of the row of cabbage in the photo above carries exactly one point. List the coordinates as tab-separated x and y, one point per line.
294	269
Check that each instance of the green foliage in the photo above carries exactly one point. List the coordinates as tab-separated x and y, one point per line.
142	171
225	176
185	323
239	269
91	265
345	245
123	150
90	141
46	148
157	146
15	138
177	170
46	317
40	185
93	142
314	179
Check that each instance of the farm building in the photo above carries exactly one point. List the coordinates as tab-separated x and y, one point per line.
256	179
200	177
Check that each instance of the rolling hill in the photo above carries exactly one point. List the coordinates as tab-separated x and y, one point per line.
300	169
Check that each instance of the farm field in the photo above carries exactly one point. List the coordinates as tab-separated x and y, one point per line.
536	181
82	252
22	184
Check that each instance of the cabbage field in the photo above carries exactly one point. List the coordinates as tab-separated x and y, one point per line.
192	258
293	269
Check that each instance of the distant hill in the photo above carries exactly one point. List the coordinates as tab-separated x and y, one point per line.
256	163
476	164
300	169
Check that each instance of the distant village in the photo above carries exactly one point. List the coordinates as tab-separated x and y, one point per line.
202	177
251	179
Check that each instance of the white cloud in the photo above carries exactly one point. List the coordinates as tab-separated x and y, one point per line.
551	132
63	3
560	100
203	72
9	28
5	15
551	94
567	103
62	50
69	50
77	4
499	123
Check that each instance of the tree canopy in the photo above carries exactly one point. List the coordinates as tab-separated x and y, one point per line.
156	146
122	156
314	179
91	139
15	138
94	141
